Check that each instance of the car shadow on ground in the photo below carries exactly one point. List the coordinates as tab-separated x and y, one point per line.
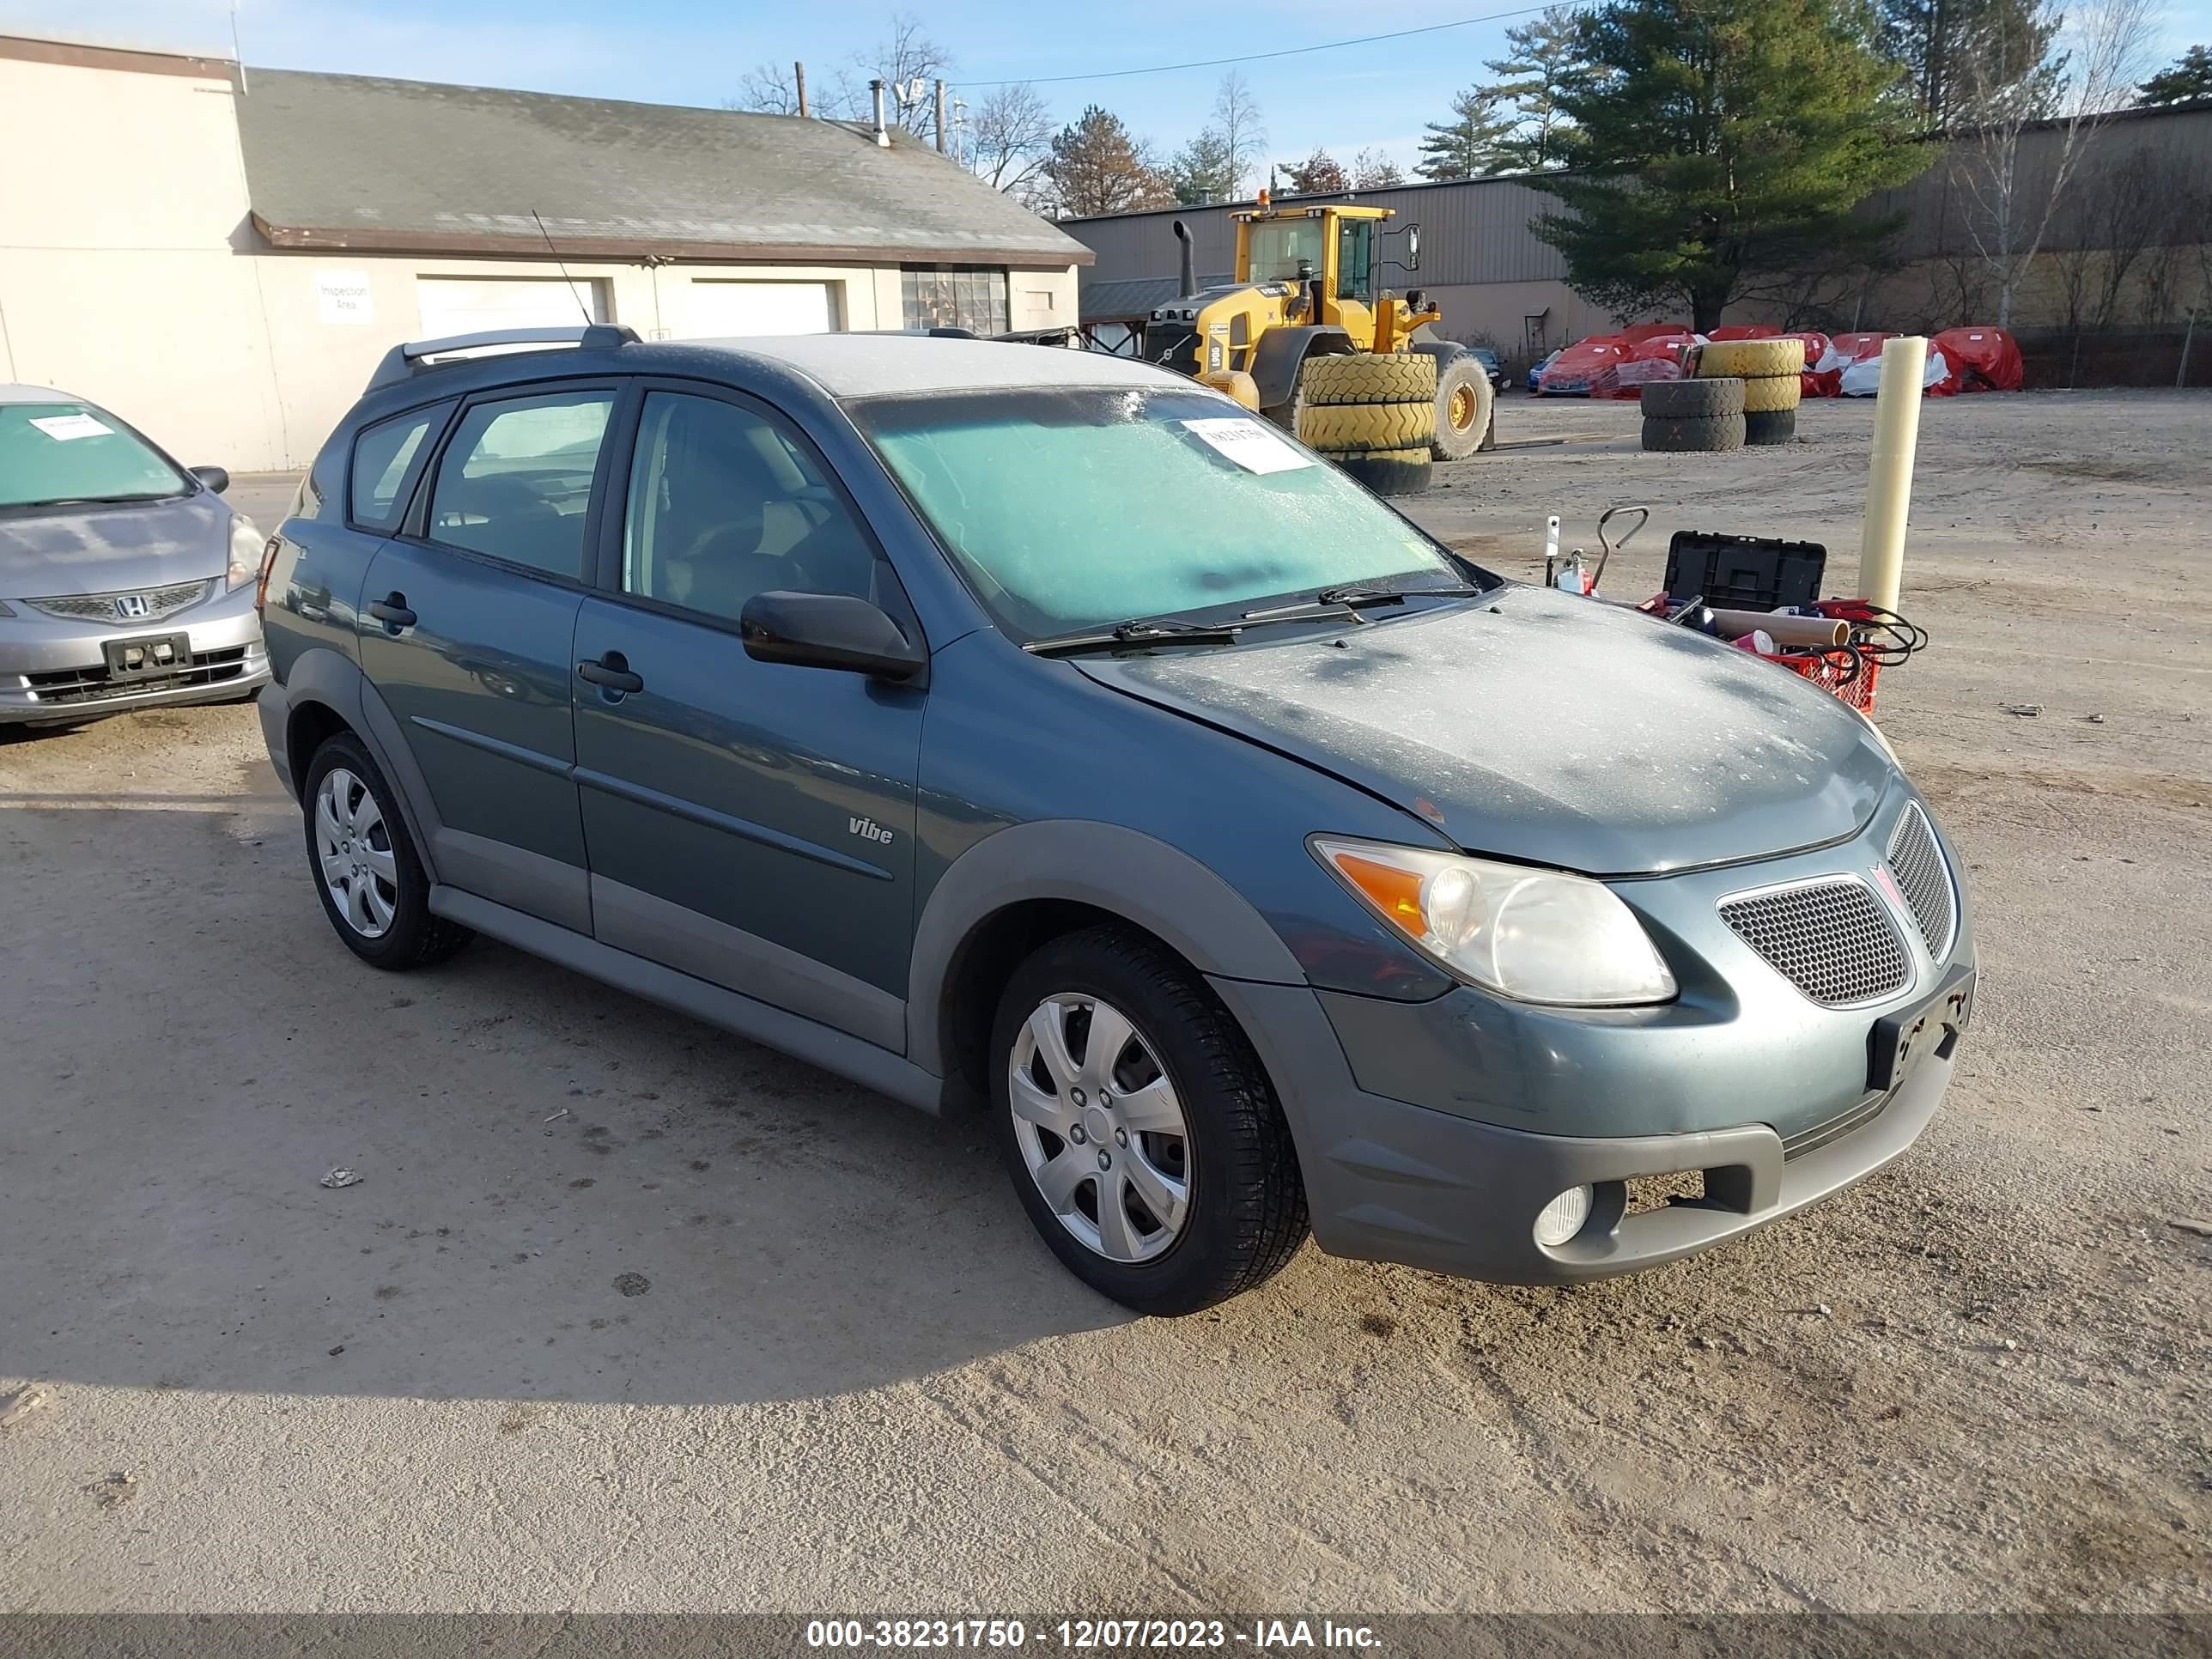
564	1193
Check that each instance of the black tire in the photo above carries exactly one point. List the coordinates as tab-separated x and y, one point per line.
1245	1214
1692	400
415	937
1463	388
1716	433
1770	426
1389	471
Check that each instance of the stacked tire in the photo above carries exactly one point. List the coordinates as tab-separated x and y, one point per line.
1373	414
1682	416
1770	371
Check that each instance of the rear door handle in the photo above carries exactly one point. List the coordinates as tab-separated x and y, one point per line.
392	611
612	672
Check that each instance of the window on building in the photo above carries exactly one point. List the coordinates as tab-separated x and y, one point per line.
516	480
954	296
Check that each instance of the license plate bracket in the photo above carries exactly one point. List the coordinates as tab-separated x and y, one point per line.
1898	1042
149	656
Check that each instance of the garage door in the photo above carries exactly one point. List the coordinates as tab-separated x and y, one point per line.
468	305
717	310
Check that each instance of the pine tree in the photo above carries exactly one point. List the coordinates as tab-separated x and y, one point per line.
1539	53
1957	53
1202	170
2190	78
1097	168
1471	144
1723	142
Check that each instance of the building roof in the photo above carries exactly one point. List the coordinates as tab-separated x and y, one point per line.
1131	299
876	365
358	161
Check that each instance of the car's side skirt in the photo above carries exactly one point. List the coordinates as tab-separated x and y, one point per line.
818	1044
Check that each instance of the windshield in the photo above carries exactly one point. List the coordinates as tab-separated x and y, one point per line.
1286	250
1071	508
51	453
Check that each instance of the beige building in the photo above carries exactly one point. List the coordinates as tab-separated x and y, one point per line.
221	255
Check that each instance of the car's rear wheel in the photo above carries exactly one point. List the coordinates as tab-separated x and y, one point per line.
1141	1133
373	886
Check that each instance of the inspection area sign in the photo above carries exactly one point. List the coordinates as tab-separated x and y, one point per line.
344	296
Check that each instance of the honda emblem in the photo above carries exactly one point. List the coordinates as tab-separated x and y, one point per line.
129	607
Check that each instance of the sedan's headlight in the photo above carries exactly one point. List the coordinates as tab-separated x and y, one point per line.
246	545
1532	935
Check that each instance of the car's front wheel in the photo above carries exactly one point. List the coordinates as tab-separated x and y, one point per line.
373	886
1141	1133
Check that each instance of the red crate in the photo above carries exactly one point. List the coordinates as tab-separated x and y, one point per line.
1844	675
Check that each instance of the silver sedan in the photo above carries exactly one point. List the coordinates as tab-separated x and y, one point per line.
125	579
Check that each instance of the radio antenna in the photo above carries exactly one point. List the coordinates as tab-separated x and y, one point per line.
570	281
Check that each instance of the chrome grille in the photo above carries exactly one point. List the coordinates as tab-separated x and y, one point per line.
1916	859
109	608
1831	938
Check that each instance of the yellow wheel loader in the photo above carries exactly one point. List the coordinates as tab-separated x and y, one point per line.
1308	288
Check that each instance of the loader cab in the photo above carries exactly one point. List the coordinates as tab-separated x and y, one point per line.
1334	246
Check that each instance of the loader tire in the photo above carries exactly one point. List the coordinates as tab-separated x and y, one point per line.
1389	471
1766	393
1751	359
1691	433
1466	408
1693	400
1357	429
1770	426
1367	377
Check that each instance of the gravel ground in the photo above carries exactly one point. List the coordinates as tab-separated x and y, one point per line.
628	1315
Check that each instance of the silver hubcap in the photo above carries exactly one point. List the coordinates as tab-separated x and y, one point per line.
354	847
1100	1128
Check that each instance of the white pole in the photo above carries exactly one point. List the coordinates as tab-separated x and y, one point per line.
1889	481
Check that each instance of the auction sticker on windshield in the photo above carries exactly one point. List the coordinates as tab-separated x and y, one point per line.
1253	446
63	428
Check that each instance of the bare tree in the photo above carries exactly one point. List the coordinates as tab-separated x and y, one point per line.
773	89
1007	138
1372	170
909	63
1243	134
2009	197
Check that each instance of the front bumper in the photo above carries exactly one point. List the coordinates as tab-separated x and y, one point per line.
54	672
1387	1181
1434	1132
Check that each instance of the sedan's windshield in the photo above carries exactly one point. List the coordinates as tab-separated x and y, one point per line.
1071	508
52	453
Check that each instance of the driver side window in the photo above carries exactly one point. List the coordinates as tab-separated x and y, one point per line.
723	506
1355	271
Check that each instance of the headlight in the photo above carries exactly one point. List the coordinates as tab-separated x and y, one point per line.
1532	935
246	545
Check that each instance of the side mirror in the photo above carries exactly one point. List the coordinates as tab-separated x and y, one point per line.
215	477
1413	248
827	630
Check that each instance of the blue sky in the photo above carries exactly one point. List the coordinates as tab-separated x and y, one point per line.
694	51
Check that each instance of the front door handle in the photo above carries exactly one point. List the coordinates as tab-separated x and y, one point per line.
612	672
392	611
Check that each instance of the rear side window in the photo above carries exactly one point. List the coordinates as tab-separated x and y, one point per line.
515	481
383	457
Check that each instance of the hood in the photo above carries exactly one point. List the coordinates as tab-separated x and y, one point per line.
114	550
1541	726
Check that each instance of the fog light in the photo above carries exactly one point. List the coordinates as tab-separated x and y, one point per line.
1563	1217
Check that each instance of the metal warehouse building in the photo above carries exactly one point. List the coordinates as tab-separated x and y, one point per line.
1491	276
221	255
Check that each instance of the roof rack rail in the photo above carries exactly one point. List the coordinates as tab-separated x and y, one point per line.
412	357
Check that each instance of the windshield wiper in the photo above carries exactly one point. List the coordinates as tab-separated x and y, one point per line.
97	501
1136	632
1334	601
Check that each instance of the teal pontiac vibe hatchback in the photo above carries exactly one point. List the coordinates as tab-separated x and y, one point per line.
1038	731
